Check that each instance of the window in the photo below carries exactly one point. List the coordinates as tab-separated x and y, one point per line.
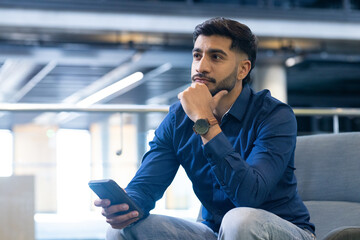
73	170
6	153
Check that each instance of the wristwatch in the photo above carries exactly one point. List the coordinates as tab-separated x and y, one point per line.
203	125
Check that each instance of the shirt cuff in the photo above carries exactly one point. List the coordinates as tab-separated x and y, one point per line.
217	148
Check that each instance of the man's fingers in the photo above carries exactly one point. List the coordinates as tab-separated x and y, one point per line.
180	95
121	221
118	208
124	224
113	213
102	202
194	85
118	219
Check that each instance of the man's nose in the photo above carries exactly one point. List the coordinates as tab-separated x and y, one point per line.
203	66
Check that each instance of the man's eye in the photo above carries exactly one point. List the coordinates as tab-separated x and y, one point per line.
196	55
216	57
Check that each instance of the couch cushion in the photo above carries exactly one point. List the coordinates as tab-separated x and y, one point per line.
348	233
329	215
328	166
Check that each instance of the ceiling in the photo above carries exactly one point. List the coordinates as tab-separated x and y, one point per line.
39	65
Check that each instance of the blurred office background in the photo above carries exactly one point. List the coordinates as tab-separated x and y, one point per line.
83	85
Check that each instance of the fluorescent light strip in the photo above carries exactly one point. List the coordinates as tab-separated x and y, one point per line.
113	88
292	61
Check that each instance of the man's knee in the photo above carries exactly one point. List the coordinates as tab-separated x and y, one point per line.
243	216
114	234
241	222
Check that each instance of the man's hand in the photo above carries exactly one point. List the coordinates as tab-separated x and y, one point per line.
197	101
112	214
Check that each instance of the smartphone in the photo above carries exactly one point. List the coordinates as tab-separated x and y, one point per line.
109	189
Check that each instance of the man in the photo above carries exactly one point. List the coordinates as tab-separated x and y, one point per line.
236	146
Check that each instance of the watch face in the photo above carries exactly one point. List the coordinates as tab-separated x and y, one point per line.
201	126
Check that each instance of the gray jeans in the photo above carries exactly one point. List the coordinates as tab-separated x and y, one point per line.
238	223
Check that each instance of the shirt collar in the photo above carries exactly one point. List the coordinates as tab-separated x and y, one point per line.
239	107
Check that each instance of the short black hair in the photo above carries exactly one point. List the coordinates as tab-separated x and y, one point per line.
243	40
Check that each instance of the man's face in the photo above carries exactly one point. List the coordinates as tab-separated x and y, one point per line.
214	64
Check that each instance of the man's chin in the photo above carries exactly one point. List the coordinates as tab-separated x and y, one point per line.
216	91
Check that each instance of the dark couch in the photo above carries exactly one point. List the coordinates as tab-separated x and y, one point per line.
328	174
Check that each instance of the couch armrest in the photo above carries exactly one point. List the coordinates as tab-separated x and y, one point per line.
344	233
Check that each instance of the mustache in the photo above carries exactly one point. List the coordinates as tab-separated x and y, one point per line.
201	75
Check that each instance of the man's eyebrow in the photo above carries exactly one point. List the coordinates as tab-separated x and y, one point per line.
212	50
217	51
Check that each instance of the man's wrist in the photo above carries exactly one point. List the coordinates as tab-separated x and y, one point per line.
202	125
213	131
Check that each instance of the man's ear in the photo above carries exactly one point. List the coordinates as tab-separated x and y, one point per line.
243	69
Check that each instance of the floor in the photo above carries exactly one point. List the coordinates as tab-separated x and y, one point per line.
55	227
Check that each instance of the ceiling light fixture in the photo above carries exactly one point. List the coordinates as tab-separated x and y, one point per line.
120	85
292	61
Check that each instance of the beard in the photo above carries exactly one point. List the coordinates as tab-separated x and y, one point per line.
228	83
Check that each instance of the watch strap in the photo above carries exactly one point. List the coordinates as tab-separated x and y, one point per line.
212	121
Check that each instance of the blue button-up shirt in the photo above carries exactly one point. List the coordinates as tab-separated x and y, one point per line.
249	164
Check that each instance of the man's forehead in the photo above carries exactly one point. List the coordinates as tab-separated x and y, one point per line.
213	42
216	42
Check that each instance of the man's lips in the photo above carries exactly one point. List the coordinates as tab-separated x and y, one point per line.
202	80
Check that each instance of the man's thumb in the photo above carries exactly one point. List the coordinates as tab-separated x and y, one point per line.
219	95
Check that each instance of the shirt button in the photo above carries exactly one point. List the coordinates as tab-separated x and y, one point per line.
222	183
